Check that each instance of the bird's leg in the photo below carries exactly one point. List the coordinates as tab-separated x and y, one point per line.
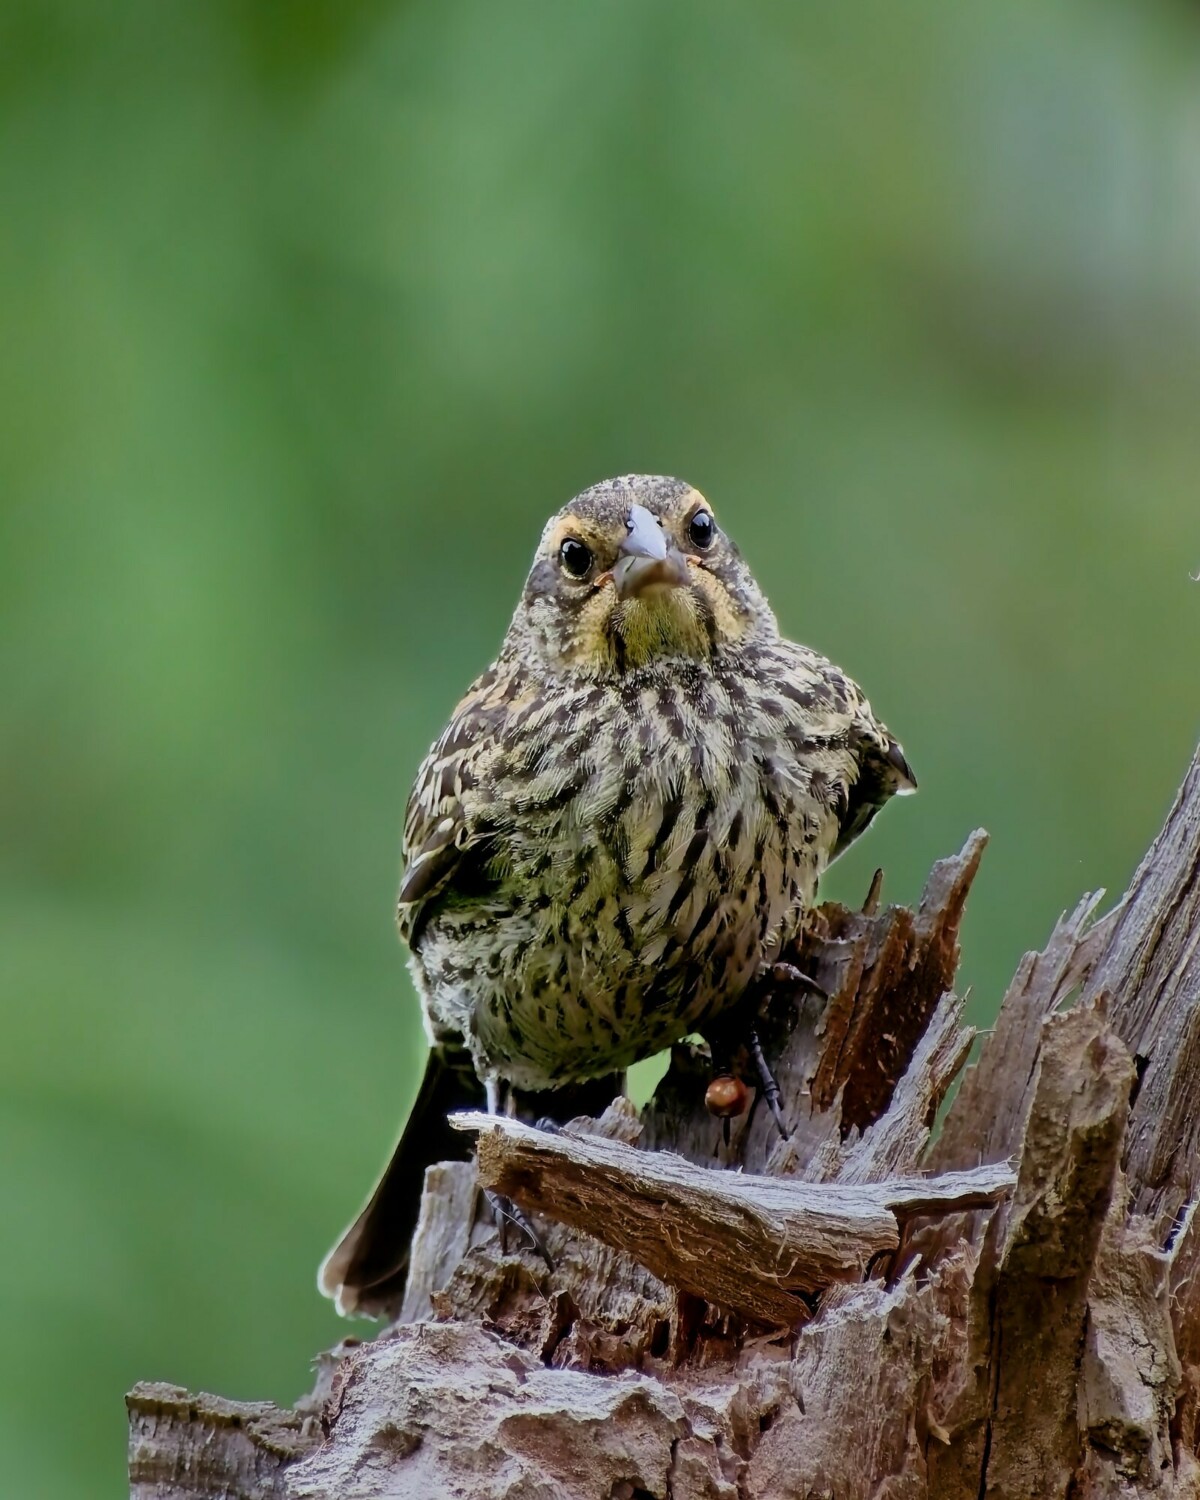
504	1210
770	1088
498	1205
778	975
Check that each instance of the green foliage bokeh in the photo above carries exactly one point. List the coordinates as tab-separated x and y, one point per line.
311	314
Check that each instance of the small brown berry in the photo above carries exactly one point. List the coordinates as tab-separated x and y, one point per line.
726	1097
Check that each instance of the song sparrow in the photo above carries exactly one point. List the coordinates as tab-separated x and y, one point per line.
624	820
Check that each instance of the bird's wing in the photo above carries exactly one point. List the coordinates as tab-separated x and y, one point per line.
883	773
831	714
447	826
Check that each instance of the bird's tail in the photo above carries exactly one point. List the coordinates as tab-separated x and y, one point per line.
366	1270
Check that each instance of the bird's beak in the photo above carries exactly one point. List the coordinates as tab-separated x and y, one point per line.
645	563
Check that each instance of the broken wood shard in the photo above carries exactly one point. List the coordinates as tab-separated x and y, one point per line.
987	1118
905	964
757	1245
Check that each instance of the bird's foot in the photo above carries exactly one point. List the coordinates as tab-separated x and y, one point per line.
506	1212
788	976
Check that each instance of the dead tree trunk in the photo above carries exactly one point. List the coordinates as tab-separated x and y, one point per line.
859	1312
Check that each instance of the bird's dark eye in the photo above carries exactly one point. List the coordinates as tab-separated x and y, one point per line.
701	529
575	557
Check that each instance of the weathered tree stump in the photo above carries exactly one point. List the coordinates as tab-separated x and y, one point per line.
1010	1309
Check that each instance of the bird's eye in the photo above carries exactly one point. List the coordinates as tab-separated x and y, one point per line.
576	559
701	529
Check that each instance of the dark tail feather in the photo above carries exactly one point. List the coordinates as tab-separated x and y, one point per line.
366	1270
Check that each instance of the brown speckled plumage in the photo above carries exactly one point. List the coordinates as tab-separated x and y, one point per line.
629	811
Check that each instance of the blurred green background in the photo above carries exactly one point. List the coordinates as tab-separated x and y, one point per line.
311	314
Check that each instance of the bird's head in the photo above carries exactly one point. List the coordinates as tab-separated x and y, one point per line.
632	571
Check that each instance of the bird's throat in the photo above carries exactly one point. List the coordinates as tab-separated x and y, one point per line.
668	622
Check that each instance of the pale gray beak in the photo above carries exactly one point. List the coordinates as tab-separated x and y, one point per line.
645	562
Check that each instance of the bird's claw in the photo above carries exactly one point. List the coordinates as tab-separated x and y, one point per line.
793	978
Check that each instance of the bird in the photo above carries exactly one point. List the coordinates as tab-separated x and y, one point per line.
623	823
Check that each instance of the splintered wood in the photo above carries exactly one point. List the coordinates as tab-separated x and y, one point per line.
757	1245
872	1309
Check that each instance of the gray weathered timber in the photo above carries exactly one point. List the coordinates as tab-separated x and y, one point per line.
1150	969
1045	1344
443	1235
1024	1430
183	1445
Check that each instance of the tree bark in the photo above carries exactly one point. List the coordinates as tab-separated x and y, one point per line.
860	1311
